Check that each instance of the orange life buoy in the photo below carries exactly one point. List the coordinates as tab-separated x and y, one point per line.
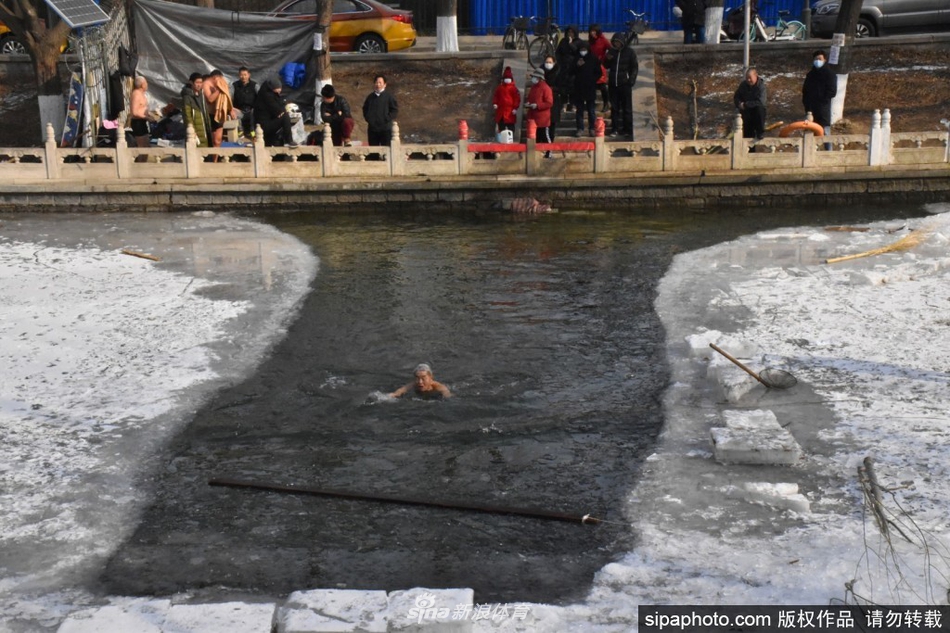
810	126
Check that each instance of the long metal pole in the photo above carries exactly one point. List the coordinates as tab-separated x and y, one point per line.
342	494
748	36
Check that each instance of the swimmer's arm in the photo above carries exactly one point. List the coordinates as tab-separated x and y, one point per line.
398	393
442	389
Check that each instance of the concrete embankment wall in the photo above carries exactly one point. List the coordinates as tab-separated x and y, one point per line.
697	192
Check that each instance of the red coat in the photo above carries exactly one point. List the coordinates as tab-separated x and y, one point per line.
508	99
541	94
599	47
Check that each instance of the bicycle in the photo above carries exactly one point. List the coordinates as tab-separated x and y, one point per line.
516	35
635	28
787	31
548	35
758	32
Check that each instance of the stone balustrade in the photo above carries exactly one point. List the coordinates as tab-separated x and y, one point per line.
666	155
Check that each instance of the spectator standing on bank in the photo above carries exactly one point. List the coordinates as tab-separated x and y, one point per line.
599	45
505	101
552	77
538	106
566	56
194	111
220	107
335	112
820	87
622	69
244	92
750	99
693	20
270	112
587	72
138	112
380	110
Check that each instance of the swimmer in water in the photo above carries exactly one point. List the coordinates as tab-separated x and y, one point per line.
424	385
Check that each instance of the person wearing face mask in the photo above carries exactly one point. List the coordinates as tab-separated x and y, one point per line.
506	101
538	107
587	72
820	87
552	77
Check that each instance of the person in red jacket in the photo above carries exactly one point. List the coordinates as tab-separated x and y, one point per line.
538	106
599	45
506	102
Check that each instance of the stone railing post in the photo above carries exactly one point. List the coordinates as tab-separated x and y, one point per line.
123	157
397	161
328	154
259	154
739	149
809	150
192	156
465	158
886	137
531	142
53	171
669	147
600	149
874	140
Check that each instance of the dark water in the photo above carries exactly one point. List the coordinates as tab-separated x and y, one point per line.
545	331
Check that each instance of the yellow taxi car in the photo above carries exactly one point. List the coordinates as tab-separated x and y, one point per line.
10	44
363	26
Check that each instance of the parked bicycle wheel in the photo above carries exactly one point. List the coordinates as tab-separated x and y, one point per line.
540	48
508	41
795	30
522	42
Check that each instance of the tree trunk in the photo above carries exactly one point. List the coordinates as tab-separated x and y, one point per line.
207	4
323	74
714	13
847	22
446	27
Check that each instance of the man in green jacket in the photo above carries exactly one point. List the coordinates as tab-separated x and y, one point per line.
194	110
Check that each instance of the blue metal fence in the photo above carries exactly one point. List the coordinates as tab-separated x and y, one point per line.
491	16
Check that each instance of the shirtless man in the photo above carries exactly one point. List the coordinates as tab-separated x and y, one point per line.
138	105
424	385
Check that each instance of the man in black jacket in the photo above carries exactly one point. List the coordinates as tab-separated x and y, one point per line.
270	112
820	87
335	112
693	20
380	110
622	68
243	94
750	99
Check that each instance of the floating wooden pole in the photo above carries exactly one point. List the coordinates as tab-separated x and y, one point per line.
126	251
908	241
342	494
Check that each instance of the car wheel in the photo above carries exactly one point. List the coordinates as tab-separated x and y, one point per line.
12	46
865	28
369	43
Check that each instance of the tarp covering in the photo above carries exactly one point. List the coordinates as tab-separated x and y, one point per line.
174	40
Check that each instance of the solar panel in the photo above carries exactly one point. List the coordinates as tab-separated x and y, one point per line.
77	13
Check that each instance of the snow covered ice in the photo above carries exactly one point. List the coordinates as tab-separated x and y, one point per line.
105	355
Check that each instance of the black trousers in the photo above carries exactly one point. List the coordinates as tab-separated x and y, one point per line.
277	131
753	122
379	137
621	109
